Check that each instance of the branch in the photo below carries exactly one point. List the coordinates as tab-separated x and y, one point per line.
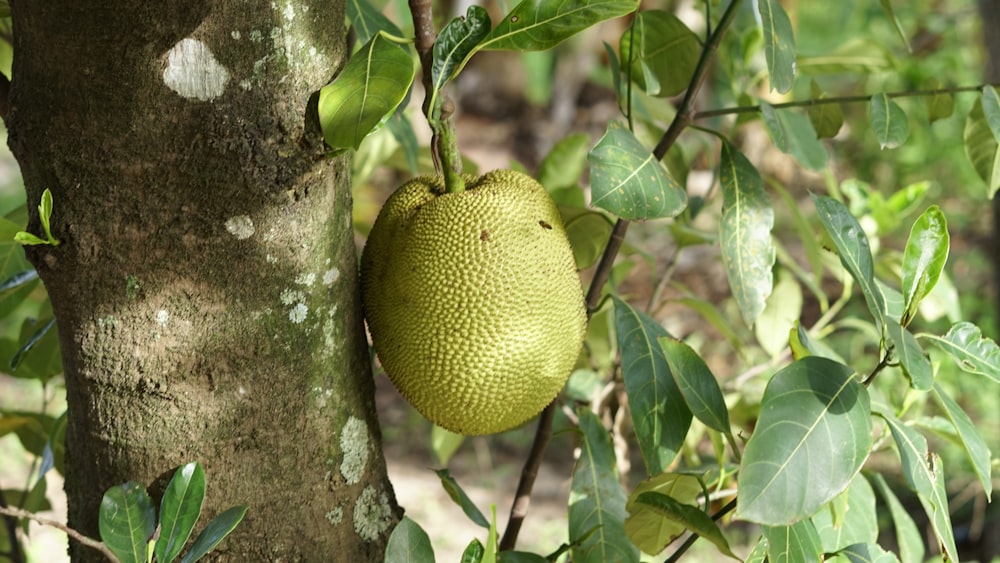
682	119
694	537
92	543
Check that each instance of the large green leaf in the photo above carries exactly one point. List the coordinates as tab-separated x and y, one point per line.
662	51
916	366
889	122
408	543
650	531
908	536
216	531
369	88
793	133
537	25
659	413
854	250
180	508
690	517
627	180
813	434
745	232
461	499
924	258
127	520
697	384
779	44
858	522
982	148
366	21
596	499
455	42
588	233
991	110
972	441
924	475
973	352
796	543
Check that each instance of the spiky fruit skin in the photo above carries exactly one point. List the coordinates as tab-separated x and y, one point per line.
472	300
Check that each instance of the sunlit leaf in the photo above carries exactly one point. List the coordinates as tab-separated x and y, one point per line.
458	495
814	425
858	523
908	537
745	232
690	517
127	520
369	88
867	553
889	122
969	436
781	313
779	44
939	106
408	543
793	133
793	543
564	164
649	530
973	352
535	25
663	52
588	233
627	180
366	21
924	258
457	41
444	443
474	552
982	149
180	508
697	384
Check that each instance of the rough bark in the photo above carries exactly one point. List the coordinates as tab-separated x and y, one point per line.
205	284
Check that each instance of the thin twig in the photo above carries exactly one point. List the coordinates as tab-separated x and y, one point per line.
92	543
544	431
694	537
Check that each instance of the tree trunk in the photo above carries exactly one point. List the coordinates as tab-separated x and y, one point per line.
205	285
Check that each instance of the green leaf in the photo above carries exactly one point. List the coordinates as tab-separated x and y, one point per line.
697	384
216	531
402	131
367	21
563	165
972	441
782	311
745	232
659	413
916	366
627	180
890	14
798	542
597	501
461	499
939	106
859	524
779	44
457	41
369	88
923	473
409	543
826	119
867	553
813	434
982	148
991	110
444	443
973	352
663	53
490	551
924	258
29	345
588	233
474	552
690	517
889	122
29	239
650	531
180	508
855	56
793	133
520	557
45	215
908	537
759	552
537	25
854	250
127	520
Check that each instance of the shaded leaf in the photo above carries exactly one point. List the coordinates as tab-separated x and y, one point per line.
690	517
745	232
973	352
889	122
916	366
793	133
796	543
858	523
408	543
982	149
127	521
536	25
826	118
368	89
908	537
972	441
890	14
564	164
662	50
180	508
779	44
648	530
991	110
697	384
367	21
855	56
813	434
867	553
659	413
588	233
216	531
460	498
627	180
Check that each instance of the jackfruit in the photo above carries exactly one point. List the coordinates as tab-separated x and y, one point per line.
472	300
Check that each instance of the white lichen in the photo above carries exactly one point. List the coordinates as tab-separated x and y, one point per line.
372	515
162	317
193	72
236	34
290	296
331	275
354	445
240	226
298	313
305	279
335	516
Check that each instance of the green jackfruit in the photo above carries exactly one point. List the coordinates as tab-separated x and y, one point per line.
472	300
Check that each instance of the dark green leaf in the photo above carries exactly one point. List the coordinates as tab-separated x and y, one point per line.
30	342
857	524
649	530
908	537
982	149
813	434
854	250
659	413
370	87
461	499
520	557
473	552
690	517
18	280
536	25
564	164
216	531
779	44
127	521
916	366
972	441
793	133
627	180
889	122
409	543
991	110
973	352
402	131
367	21
180	508
796	543
745	233
826	118
457	41
596	499
924	258
697	384
663	52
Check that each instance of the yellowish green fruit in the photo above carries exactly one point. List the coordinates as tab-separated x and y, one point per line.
473	300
